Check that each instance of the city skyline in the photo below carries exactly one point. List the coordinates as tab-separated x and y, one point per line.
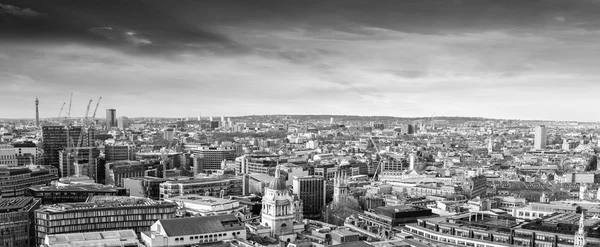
504	60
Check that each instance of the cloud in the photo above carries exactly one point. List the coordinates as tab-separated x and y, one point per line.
16	11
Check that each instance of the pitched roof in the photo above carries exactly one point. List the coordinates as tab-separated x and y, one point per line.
201	225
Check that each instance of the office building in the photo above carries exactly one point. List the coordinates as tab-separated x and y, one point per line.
111	118
27	153
56	138
148	187
199	230
101	213
86	156
169	134
70	193
8	156
116	172
16	219
14	181
121	238
263	164
540	138
382	221
214	124
213	156
123	123
312	191
114	153
230	185
488	229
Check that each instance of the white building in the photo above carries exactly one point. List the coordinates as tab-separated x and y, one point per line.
8	156
108	238
281	215
540	138
194	230
206	205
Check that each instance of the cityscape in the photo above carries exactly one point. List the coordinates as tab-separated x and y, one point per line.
148	123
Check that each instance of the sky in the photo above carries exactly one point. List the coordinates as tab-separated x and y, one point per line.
515	59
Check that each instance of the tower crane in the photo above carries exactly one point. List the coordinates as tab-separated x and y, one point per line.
83	130
378	163
96	109
70	102
60	112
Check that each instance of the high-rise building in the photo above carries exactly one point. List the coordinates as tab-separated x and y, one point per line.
56	138
311	190
16	219
101	213
540	138
37	112
111	118
213	156
123	123
169	134
85	155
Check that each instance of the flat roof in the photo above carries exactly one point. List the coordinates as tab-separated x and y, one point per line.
204	200
13	204
108	238
76	188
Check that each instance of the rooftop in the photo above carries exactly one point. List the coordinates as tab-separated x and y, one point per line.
201	225
103	202
75	188
203	200
14	204
108	238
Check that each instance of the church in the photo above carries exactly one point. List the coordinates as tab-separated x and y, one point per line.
281	214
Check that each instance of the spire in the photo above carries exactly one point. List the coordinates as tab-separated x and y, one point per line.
277	175
581	225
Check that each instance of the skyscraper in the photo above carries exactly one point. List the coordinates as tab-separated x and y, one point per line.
540	138
37	112
56	138
111	118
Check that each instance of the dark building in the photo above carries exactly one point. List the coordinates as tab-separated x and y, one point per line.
101	213
111	118
56	138
144	186
16	221
311	190
382	220
15	180
73	193
114	153
214	124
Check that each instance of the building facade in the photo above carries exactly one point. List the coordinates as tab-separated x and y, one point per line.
111	118
213	156
114	153
116	172
16	218
312	191
14	181
540	138
103	213
202	186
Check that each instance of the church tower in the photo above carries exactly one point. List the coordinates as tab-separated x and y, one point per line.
580	240
279	210
340	188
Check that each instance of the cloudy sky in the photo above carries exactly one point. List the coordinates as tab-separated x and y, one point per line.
518	59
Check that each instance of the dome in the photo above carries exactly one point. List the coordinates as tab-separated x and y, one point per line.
277	183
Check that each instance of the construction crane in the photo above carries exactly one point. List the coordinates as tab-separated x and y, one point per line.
75	149
70	102
380	161
60	112
96	109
